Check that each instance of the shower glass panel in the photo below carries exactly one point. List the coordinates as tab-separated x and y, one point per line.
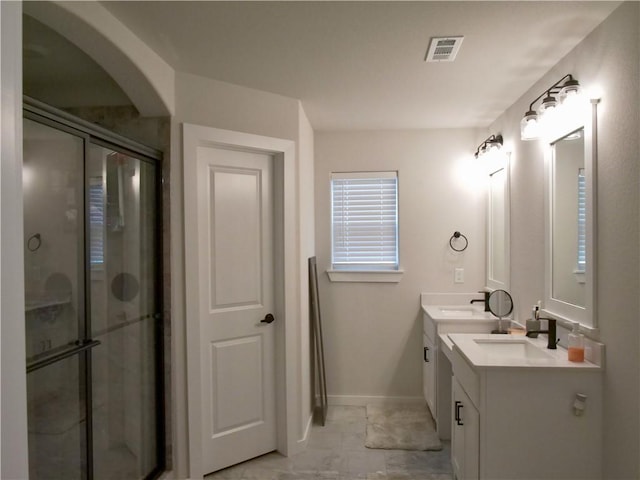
54	293
123	306
56	413
53	231
93	305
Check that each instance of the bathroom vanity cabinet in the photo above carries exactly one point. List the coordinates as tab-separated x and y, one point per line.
465	442
429	362
520	423
436	367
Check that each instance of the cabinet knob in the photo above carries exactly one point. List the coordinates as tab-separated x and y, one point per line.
425	354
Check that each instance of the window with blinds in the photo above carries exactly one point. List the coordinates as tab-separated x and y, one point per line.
364	220
582	220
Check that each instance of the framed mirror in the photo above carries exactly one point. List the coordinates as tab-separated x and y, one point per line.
570	219
498	227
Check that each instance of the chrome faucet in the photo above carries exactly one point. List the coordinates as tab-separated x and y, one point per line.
485	300
550	331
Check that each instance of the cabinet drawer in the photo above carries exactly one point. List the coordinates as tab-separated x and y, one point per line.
429	327
467	377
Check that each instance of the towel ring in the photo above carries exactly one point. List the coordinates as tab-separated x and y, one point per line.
455	236
34	242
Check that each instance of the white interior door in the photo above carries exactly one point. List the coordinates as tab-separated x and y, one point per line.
235	283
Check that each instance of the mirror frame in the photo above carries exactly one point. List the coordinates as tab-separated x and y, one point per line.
491	283
563	311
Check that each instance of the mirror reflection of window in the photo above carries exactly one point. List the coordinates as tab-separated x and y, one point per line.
582	221
497	267
569	220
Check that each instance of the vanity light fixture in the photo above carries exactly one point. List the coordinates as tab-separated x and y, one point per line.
490	145
569	94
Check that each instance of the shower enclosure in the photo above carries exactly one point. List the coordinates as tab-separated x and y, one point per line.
93	303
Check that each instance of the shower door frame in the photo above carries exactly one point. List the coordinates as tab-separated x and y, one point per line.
45	114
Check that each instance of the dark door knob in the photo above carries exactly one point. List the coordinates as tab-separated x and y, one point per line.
268	318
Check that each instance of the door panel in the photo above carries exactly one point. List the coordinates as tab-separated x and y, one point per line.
237	391
429	374
236	237
235	253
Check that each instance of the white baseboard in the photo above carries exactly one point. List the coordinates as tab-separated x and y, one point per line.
363	400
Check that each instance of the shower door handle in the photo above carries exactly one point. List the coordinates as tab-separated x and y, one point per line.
79	347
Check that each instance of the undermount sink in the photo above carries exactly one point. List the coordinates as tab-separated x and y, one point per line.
464	312
511	349
486	350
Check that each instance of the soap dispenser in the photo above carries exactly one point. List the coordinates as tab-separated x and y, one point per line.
534	323
576	344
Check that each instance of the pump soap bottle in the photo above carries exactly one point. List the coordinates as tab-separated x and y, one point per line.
576	344
534	323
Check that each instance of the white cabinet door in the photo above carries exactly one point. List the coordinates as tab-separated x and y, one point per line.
465	435
429	373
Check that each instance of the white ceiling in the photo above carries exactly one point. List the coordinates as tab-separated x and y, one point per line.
360	65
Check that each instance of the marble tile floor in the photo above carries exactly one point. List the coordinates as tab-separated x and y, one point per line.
337	452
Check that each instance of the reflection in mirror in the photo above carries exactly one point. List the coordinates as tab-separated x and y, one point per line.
570	221
500	305
497	267
568	207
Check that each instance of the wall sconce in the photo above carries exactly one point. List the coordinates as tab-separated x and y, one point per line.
569	96
491	145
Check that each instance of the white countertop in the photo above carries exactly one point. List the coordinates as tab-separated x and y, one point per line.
457	313
475	348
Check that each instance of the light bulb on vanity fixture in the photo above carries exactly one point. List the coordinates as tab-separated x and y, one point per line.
491	153
489	146
535	123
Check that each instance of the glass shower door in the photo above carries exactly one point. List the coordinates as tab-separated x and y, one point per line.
93	309
123	313
54	294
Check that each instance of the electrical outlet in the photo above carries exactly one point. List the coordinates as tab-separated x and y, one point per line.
458	276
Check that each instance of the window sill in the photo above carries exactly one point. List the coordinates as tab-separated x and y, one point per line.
366	276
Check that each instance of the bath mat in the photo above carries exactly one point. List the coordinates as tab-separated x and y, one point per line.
401	427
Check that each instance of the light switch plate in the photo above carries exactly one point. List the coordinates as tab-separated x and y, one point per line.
458	276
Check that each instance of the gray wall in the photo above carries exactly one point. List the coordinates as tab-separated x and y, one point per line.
372	332
608	58
222	105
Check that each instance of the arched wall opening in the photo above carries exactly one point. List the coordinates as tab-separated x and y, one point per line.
143	75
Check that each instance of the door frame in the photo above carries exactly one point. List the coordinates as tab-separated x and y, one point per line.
13	418
285	270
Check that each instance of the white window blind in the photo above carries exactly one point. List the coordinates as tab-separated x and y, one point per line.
364	211
582	220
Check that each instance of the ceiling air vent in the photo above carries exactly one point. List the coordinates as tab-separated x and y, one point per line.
443	49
